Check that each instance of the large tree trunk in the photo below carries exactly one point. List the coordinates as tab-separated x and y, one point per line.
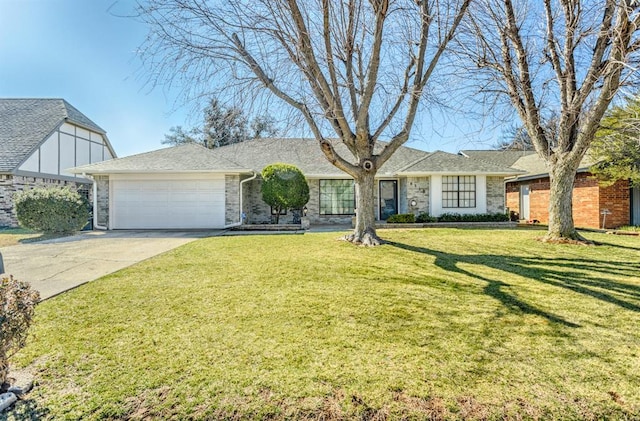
561	226
365	229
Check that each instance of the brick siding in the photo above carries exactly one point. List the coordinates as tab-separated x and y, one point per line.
589	199
617	200
513	197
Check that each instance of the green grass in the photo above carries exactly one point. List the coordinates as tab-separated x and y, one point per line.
440	324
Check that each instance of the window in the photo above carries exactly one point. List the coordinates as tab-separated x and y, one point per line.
282	211
459	191
337	197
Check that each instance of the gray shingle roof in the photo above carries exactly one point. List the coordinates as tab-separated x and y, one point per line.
24	124
504	158
447	163
189	157
533	165
304	154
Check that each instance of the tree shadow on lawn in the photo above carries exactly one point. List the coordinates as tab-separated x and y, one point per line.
584	277
620	246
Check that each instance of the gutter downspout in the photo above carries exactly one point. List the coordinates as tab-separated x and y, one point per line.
95	203
253	177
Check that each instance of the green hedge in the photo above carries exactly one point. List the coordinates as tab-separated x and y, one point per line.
401	218
51	209
480	217
423	217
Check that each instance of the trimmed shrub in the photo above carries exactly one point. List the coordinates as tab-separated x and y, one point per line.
425	217
51	209
284	187
479	217
17	307
401	218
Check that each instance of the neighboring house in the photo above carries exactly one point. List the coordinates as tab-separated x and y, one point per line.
189	186
528	194
40	139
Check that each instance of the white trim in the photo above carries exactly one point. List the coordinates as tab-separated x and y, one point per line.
435	196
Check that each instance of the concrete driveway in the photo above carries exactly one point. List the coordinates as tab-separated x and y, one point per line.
55	266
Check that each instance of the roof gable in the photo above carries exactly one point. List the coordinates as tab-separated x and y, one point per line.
25	123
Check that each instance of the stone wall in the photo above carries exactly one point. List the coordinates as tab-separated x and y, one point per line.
258	212
102	202
495	195
10	184
417	188
232	199
313	208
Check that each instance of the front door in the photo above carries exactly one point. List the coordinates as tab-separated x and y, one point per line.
524	202
388	198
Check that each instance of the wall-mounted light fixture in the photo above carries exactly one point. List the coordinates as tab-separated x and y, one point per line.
413	203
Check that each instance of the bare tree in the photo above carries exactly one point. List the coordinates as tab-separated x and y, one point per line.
355	70
564	58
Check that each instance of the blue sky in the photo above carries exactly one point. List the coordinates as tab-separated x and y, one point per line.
84	52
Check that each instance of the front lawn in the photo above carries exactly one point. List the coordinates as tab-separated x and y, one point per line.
439	324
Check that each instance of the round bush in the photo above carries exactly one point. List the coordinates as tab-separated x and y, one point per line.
284	187
51	209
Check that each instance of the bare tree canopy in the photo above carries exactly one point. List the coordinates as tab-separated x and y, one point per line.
564	58
355	70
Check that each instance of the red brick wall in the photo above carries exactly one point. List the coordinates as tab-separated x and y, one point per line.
539	200
617	200
589	200
513	197
586	201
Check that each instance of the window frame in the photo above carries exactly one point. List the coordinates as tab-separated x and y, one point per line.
465	185
320	195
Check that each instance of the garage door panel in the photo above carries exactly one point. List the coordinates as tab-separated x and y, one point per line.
187	203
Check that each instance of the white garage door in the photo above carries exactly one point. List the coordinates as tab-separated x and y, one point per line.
168	203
